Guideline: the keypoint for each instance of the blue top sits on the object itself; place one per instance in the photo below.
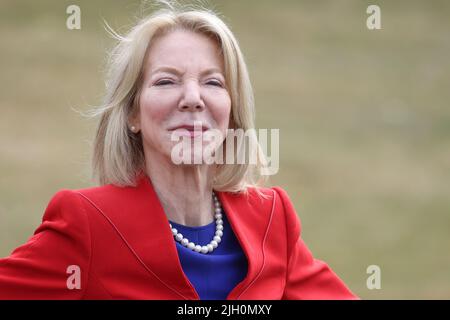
(214, 274)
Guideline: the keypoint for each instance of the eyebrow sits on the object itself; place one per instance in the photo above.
(178, 72)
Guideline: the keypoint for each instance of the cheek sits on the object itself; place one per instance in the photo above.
(221, 110)
(154, 109)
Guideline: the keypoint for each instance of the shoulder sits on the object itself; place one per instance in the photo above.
(278, 200)
(104, 193)
(282, 207)
(64, 196)
(73, 210)
(275, 196)
(73, 204)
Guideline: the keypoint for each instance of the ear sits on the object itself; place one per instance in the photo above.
(134, 119)
(134, 123)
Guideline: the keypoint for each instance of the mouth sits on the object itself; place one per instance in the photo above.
(190, 130)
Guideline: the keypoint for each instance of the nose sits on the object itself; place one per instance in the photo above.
(191, 99)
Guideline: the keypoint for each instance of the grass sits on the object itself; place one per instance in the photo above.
(363, 115)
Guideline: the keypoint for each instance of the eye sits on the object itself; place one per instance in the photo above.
(216, 83)
(163, 82)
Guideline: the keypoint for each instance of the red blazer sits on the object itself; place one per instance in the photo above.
(120, 239)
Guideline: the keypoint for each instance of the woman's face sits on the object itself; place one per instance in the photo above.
(183, 83)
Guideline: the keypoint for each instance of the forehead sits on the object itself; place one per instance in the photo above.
(182, 48)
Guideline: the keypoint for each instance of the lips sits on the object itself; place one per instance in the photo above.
(190, 127)
(189, 130)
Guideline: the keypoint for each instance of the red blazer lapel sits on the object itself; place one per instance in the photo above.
(140, 221)
(250, 221)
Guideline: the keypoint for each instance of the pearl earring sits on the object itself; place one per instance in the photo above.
(133, 128)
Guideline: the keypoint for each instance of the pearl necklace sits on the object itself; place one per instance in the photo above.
(217, 237)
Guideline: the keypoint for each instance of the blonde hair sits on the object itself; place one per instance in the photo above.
(118, 156)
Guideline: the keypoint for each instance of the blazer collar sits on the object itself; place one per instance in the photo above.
(145, 219)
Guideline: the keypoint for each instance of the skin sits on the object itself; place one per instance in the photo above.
(194, 91)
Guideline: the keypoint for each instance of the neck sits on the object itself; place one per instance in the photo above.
(185, 191)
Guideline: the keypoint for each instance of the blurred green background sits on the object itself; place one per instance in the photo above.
(364, 121)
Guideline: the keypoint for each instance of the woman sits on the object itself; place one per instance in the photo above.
(157, 229)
